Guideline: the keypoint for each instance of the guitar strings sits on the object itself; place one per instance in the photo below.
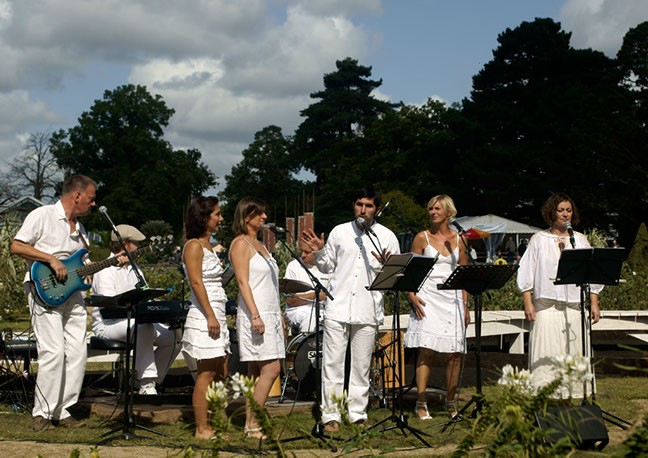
(51, 280)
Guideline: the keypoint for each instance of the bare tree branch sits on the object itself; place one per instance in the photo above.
(35, 171)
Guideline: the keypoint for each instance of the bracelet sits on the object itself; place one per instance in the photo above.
(255, 317)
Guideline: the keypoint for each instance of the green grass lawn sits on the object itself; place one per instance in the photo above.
(625, 397)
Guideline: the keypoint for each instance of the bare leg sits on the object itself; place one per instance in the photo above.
(423, 364)
(452, 375)
(208, 371)
(267, 372)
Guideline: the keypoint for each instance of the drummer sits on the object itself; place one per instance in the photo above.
(300, 307)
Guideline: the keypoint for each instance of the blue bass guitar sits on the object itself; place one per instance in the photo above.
(53, 292)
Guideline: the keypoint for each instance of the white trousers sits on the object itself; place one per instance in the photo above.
(157, 347)
(334, 346)
(302, 316)
(62, 352)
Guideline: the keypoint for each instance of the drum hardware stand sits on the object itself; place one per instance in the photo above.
(128, 301)
(582, 267)
(318, 428)
(476, 279)
(401, 272)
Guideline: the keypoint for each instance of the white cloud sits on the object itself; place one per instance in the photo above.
(601, 24)
(18, 116)
(228, 68)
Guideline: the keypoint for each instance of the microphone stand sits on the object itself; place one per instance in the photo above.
(367, 230)
(141, 282)
(130, 335)
(318, 428)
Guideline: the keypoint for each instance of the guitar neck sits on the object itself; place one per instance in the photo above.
(95, 267)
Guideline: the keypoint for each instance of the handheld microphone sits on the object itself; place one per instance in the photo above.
(382, 210)
(360, 221)
(457, 225)
(572, 241)
(275, 229)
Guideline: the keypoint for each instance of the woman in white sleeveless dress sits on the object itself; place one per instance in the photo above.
(205, 338)
(438, 318)
(259, 321)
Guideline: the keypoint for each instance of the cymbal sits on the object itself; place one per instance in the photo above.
(293, 286)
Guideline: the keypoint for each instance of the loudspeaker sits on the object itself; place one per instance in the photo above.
(583, 425)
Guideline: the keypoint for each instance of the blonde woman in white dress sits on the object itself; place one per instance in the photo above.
(554, 310)
(438, 318)
(259, 321)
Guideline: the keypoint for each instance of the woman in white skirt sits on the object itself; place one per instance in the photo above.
(206, 338)
(553, 310)
(438, 318)
(259, 321)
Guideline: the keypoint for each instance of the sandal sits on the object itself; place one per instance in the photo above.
(254, 433)
(451, 407)
(423, 406)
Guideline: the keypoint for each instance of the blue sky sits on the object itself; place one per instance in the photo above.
(231, 67)
(433, 48)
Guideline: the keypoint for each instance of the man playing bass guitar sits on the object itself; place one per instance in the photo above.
(48, 234)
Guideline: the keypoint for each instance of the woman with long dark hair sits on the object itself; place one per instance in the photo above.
(206, 338)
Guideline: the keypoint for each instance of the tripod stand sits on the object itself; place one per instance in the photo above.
(401, 272)
(582, 267)
(127, 301)
(476, 279)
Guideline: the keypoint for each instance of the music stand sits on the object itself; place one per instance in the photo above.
(582, 267)
(127, 301)
(475, 279)
(401, 272)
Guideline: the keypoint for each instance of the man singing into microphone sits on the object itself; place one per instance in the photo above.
(48, 234)
(352, 256)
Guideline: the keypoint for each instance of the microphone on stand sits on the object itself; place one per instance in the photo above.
(141, 281)
(457, 226)
(572, 241)
(276, 229)
(104, 211)
(360, 221)
(382, 209)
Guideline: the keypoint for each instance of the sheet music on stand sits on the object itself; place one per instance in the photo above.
(477, 278)
(392, 276)
(599, 266)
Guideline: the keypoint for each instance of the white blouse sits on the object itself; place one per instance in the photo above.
(539, 265)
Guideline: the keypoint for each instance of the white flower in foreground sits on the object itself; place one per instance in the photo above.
(518, 380)
(216, 392)
(572, 370)
(241, 385)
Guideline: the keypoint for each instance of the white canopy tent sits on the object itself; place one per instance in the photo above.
(498, 227)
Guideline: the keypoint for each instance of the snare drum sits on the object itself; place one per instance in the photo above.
(301, 354)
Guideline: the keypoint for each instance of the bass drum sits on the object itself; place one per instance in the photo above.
(301, 362)
(234, 363)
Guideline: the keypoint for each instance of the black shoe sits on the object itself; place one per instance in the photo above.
(41, 424)
(70, 422)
